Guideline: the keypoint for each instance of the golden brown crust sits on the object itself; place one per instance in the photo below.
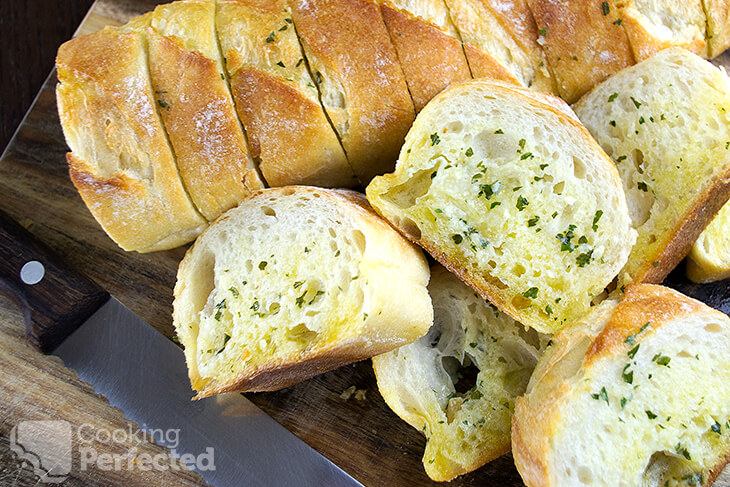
(276, 98)
(270, 109)
(657, 267)
(347, 43)
(199, 117)
(641, 304)
(583, 46)
(485, 66)
(431, 59)
(121, 162)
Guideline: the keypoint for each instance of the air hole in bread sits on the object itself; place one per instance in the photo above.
(651, 239)
(559, 187)
(405, 195)
(492, 264)
(521, 302)
(638, 159)
(332, 232)
(248, 265)
(454, 127)
(408, 227)
(579, 169)
(301, 333)
(360, 242)
(268, 211)
(286, 192)
(585, 475)
(713, 328)
(518, 270)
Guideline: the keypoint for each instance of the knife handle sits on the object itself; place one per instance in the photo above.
(55, 298)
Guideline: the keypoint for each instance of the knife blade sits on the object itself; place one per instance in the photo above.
(144, 374)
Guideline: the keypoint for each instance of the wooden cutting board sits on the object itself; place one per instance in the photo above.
(362, 436)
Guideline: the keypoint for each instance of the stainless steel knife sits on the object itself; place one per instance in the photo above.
(144, 374)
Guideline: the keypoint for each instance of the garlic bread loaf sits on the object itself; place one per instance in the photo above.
(196, 107)
(121, 162)
(718, 26)
(504, 187)
(655, 25)
(428, 46)
(276, 96)
(584, 42)
(635, 393)
(458, 383)
(293, 282)
(709, 258)
(666, 124)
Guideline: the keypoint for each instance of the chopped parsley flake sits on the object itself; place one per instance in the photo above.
(263, 264)
(234, 291)
(605, 8)
(632, 353)
(596, 218)
(612, 97)
(661, 359)
(533, 221)
(271, 37)
(636, 103)
(435, 139)
(522, 203)
(642, 186)
(650, 414)
(469, 152)
(531, 293)
(498, 131)
(457, 238)
(543, 32)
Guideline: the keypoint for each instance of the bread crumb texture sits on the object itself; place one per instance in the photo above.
(293, 282)
(506, 189)
(458, 383)
(634, 394)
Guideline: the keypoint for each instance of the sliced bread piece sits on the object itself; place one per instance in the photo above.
(120, 160)
(504, 187)
(276, 97)
(500, 41)
(633, 394)
(655, 25)
(458, 383)
(718, 25)
(428, 46)
(293, 282)
(666, 124)
(709, 258)
(196, 106)
(361, 83)
(584, 42)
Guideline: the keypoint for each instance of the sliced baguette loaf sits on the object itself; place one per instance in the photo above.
(584, 42)
(458, 383)
(504, 187)
(120, 161)
(666, 124)
(655, 25)
(196, 106)
(276, 96)
(633, 394)
(293, 282)
(428, 46)
(709, 258)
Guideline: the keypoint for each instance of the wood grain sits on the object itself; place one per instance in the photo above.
(362, 436)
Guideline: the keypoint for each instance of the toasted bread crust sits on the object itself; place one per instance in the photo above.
(212, 155)
(583, 46)
(121, 162)
(347, 43)
(483, 65)
(431, 58)
(269, 107)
